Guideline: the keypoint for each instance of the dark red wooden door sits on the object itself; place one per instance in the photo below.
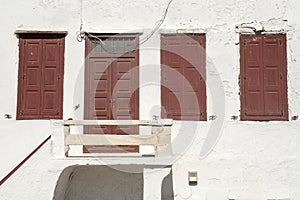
(111, 92)
(183, 77)
(263, 77)
(40, 78)
(125, 103)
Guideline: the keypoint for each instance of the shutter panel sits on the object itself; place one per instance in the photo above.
(263, 77)
(51, 78)
(31, 78)
(172, 79)
(253, 76)
(273, 74)
(193, 67)
(183, 77)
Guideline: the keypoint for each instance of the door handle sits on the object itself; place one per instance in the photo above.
(112, 102)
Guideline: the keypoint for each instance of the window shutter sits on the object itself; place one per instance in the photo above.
(183, 77)
(171, 84)
(31, 77)
(253, 76)
(40, 84)
(273, 75)
(263, 77)
(51, 78)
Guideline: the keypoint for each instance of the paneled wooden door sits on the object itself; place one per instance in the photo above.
(111, 91)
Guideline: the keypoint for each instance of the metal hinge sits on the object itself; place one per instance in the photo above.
(281, 77)
(280, 42)
(23, 77)
(245, 43)
(21, 112)
(281, 113)
(57, 112)
(59, 43)
(58, 76)
(239, 84)
(24, 41)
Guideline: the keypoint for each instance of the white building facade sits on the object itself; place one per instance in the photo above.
(238, 141)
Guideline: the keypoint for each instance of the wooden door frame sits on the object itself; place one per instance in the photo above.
(111, 56)
(88, 49)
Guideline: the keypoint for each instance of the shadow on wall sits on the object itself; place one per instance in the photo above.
(167, 192)
(90, 182)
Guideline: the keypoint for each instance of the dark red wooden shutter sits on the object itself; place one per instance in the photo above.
(253, 76)
(51, 78)
(31, 77)
(183, 77)
(273, 75)
(40, 86)
(263, 77)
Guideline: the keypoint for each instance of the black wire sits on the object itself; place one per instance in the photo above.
(81, 34)
(160, 22)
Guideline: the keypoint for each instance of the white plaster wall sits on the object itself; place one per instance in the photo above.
(252, 160)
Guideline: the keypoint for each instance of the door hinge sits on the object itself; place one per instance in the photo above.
(281, 77)
(21, 112)
(280, 42)
(23, 77)
(59, 43)
(245, 43)
(24, 41)
(57, 112)
(281, 113)
(239, 85)
(58, 76)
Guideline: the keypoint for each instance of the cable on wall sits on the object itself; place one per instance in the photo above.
(158, 24)
(80, 35)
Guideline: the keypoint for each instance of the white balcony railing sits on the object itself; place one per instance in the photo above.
(160, 134)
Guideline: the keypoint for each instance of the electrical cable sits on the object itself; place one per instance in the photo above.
(81, 34)
(158, 25)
